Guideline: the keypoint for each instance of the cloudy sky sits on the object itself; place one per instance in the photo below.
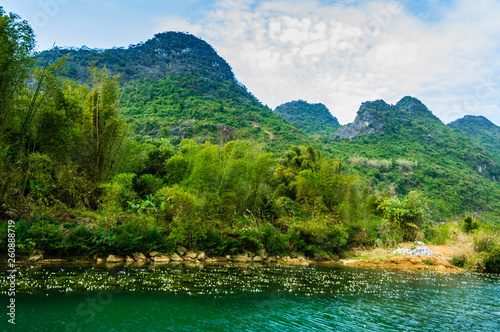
(339, 53)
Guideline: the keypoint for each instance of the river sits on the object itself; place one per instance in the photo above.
(234, 297)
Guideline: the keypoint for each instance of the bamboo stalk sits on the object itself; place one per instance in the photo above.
(31, 109)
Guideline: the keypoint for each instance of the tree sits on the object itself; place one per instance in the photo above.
(16, 45)
(406, 216)
(103, 129)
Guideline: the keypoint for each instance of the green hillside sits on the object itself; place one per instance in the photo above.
(480, 130)
(176, 86)
(314, 119)
(157, 146)
(404, 147)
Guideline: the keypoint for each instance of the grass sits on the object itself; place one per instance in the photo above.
(374, 256)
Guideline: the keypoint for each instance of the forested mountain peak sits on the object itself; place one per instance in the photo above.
(481, 130)
(314, 119)
(166, 54)
(378, 117)
(176, 86)
(472, 122)
(408, 140)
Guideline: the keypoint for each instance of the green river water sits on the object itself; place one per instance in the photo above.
(248, 298)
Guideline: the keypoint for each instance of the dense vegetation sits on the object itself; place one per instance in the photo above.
(181, 154)
(314, 119)
(403, 147)
(481, 131)
(176, 86)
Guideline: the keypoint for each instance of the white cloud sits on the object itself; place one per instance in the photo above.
(344, 54)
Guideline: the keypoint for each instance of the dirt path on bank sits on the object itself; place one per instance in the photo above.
(386, 259)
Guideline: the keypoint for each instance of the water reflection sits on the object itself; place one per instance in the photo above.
(180, 297)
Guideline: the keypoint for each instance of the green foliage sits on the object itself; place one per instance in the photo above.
(218, 244)
(38, 234)
(189, 162)
(176, 168)
(428, 261)
(149, 205)
(183, 94)
(80, 241)
(439, 233)
(103, 128)
(406, 148)
(313, 119)
(459, 261)
(492, 261)
(323, 233)
(486, 241)
(16, 43)
(469, 224)
(480, 130)
(181, 215)
(148, 184)
(119, 192)
(274, 241)
(405, 216)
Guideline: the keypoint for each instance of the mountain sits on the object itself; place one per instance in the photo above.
(377, 117)
(313, 119)
(480, 130)
(176, 86)
(404, 147)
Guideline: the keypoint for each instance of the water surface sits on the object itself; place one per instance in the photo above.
(250, 298)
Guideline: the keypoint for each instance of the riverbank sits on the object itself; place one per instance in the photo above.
(384, 258)
(374, 258)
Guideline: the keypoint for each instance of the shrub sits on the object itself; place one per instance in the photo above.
(154, 239)
(215, 243)
(130, 236)
(181, 214)
(148, 184)
(459, 261)
(363, 233)
(80, 241)
(438, 233)
(485, 242)
(492, 261)
(177, 202)
(470, 224)
(407, 165)
(405, 216)
(388, 236)
(273, 240)
(177, 169)
(119, 192)
(427, 261)
(39, 172)
(46, 236)
(320, 233)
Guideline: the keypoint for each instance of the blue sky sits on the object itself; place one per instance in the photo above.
(339, 53)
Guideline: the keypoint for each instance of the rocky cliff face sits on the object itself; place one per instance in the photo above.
(378, 117)
(367, 122)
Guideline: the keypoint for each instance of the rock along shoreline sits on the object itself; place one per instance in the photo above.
(423, 259)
